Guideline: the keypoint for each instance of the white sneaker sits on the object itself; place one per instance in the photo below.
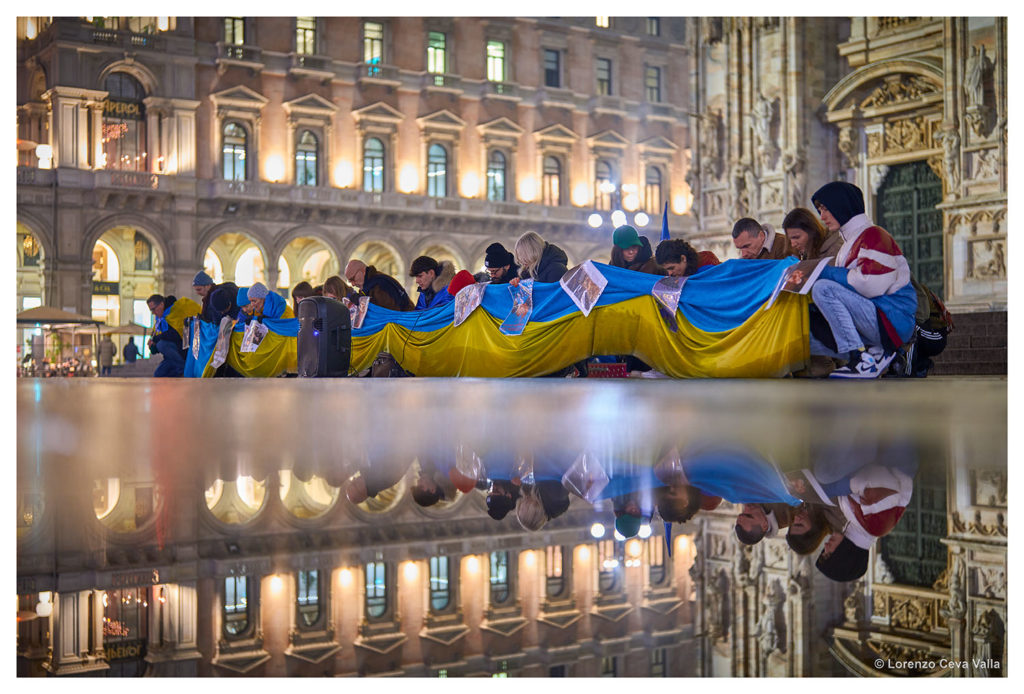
(865, 367)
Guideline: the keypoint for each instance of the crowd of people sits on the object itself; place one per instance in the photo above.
(866, 310)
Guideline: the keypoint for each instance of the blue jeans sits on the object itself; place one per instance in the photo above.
(852, 317)
(173, 363)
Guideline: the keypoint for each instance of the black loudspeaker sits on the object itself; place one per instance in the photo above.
(325, 338)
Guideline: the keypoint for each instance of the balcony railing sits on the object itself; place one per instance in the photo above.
(375, 72)
(442, 81)
(126, 39)
(313, 63)
(240, 54)
(507, 90)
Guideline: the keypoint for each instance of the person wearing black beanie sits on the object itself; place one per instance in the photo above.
(842, 562)
(500, 264)
(865, 297)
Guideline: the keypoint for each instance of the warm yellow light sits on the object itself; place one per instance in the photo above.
(30, 28)
(273, 168)
(45, 155)
(470, 185)
(530, 558)
(681, 203)
(276, 584)
(527, 189)
(345, 578)
(580, 195)
(344, 174)
(682, 544)
(631, 202)
(408, 181)
(163, 23)
(634, 548)
(583, 553)
(410, 571)
(472, 565)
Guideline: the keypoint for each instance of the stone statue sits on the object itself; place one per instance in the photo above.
(739, 193)
(974, 76)
(951, 159)
(793, 166)
(761, 119)
(767, 630)
(709, 142)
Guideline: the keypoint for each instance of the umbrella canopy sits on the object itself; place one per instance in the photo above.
(130, 329)
(47, 315)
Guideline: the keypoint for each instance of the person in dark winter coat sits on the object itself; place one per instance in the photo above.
(383, 290)
(757, 241)
(500, 264)
(680, 259)
(540, 261)
(633, 252)
(432, 278)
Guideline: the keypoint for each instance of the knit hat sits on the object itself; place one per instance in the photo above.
(498, 506)
(258, 291)
(847, 563)
(463, 278)
(201, 279)
(628, 525)
(843, 200)
(220, 300)
(498, 256)
(625, 236)
(422, 264)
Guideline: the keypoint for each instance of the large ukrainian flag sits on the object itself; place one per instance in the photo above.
(723, 331)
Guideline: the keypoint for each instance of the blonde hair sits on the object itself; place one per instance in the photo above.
(528, 251)
(530, 512)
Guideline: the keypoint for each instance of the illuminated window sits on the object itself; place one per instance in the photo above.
(436, 56)
(373, 46)
(437, 171)
(551, 182)
(610, 666)
(602, 22)
(373, 166)
(124, 124)
(497, 171)
(440, 589)
(499, 577)
(604, 186)
(609, 565)
(653, 196)
(653, 26)
(652, 83)
(305, 159)
(305, 35)
(495, 61)
(604, 76)
(656, 560)
(659, 665)
(29, 250)
(236, 605)
(552, 68)
(376, 589)
(235, 144)
(234, 31)
(307, 597)
(554, 578)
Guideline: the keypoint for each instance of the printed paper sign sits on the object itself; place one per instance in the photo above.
(584, 285)
(667, 292)
(522, 308)
(467, 300)
(253, 336)
(357, 312)
(798, 278)
(195, 340)
(220, 352)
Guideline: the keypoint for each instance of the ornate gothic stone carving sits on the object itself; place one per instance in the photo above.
(793, 167)
(771, 625)
(853, 605)
(988, 633)
(989, 582)
(976, 526)
(848, 147)
(985, 165)
(950, 140)
(906, 135)
(986, 260)
(911, 613)
(954, 576)
(977, 73)
(761, 118)
(717, 608)
(877, 175)
(739, 195)
(753, 188)
(900, 89)
(882, 574)
(990, 485)
(710, 144)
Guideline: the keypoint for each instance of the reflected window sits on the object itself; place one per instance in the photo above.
(604, 187)
(499, 577)
(497, 171)
(306, 151)
(604, 76)
(656, 560)
(436, 56)
(551, 183)
(373, 46)
(235, 146)
(610, 666)
(659, 666)
(437, 171)
(609, 565)
(554, 578)
(236, 605)
(125, 630)
(373, 166)
(552, 68)
(440, 588)
(652, 190)
(376, 589)
(307, 597)
(652, 83)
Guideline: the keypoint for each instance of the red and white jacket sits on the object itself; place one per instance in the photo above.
(875, 265)
(880, 495)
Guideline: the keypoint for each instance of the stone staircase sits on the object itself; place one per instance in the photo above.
(142, 368)
(977, 346)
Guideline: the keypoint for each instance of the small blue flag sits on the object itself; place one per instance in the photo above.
(668, 538)
(664, 223)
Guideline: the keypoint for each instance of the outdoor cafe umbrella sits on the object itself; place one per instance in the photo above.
(54, 318)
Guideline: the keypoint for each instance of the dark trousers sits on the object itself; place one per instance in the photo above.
(173, 364)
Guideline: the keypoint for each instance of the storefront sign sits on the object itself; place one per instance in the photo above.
(128, 649)
(135, 578)
(122, 109)
(105, 288)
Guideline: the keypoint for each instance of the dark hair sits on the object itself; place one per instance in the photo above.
(155, 299)
(336, 286)
(805, 220)
(751, 226)
(674, 510)
(805, 543)
(749, 537)
(422, 264)
(424, 497)
(553, 497)
(302, 290)
(674, 250)
(847, 563)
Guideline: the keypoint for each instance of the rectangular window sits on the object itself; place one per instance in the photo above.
(552, 68)
(656, 559)
(495, 61)
(499, 577)
(554, 579)
(307, 597)
(236, 605)
(376, 589)
(373, 46)
(440, 593)
(234, 31)
(610, 666)
(658, 667)
(305, 35)
(653, 26)
(652, 83)
(557, 671)
(602, 22)
(436, 55)
(604, 76)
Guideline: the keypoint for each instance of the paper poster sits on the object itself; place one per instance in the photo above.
(522, 308)
(195, 341)
(798, 278)
(467, 300)
(667, 291)
(220, 352)
(586, 477)
(253, 336)
(357, 312)
(584, 284)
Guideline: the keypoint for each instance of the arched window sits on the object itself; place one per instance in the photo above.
(306, 151)
(373, 166)
(437, 171)
(497, 172)
(235, 148)
(551, 185)
(604, 186)
(236, 605)
(440, 590)
(499, 577)
(376, 589)
(124, 124)
(653, 199)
